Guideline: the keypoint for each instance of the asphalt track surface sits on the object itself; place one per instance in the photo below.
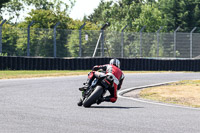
(49, 105)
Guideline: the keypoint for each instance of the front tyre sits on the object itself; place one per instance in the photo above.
(96, 94)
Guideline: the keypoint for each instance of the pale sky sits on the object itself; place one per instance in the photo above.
(83, 7)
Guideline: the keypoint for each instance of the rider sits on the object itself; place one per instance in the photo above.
(114, 69)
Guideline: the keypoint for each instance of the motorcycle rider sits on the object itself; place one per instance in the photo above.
(113, 69)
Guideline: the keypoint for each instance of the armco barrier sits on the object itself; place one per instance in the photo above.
(136, 64)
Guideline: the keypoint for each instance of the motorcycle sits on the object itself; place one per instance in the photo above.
(97, 89)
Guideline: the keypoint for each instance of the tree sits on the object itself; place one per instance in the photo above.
(90, 34)
(196, 15)
(118, 13)
(188, 14)
(183, 13)
(98, 16)
(3, 2)
(2, 5)
(9, 38)
(42, 32)
(14, 7)
(150, 17)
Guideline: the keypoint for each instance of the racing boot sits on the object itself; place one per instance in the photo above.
(88, 82)
(103, 99)
(99, 101)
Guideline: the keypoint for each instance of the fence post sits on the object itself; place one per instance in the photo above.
(191, 41)
(54, 32)
(28, 38)
(80, 46)
(122, 41)
(102, 38)
(158, 33)
(95, 50)
(175, 41)
(1, 35)
(141, 40)
(102, 43)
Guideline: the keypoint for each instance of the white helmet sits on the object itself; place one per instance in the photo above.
(115, 62)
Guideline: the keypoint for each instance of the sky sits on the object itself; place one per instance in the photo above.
(83, 7)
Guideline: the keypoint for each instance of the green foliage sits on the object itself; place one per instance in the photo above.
(149, 17)
(42, 33)
(101, 9)
(112, 44)
(15, 7)
(46, 19)
(3, 2)
(3, 54)
(133, 13)
(88, 44)
(153, 14)
(42, 39)
(180, 13)
(9, 39)
(118, 13)
(149, 13)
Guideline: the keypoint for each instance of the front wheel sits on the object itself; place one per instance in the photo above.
(93, 97)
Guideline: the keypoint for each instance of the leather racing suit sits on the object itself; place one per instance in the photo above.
(118, 77)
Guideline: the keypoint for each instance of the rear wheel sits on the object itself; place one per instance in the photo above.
(93, 97)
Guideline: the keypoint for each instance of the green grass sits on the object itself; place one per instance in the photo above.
(9, 74)
(32, 74)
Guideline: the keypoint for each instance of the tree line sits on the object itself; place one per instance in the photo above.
(133, 13)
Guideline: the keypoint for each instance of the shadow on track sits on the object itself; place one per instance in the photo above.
(115, 107)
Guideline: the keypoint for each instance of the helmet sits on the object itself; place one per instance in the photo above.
(115, 62)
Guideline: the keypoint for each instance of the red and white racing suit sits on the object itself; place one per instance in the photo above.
(117, 75)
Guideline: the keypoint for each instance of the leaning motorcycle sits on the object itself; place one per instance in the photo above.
(97, 90)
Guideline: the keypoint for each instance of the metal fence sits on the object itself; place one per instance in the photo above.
(85, 43)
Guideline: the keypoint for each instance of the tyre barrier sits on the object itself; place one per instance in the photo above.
(134, 64)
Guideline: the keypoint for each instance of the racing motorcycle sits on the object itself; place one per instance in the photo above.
(97, 89)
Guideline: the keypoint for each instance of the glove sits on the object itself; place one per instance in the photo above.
(95, 68)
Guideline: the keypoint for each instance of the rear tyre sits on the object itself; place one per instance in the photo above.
(93, 97)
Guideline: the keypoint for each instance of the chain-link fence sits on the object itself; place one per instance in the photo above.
(85, 43)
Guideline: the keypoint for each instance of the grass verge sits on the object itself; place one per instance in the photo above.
(34, 74)
(185, 92)
(54, 73)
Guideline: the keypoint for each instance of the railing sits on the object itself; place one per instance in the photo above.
(133, 64)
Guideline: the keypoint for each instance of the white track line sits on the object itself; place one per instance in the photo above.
(120, 95)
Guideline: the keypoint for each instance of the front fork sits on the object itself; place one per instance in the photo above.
(86, 93)
(83, 95)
